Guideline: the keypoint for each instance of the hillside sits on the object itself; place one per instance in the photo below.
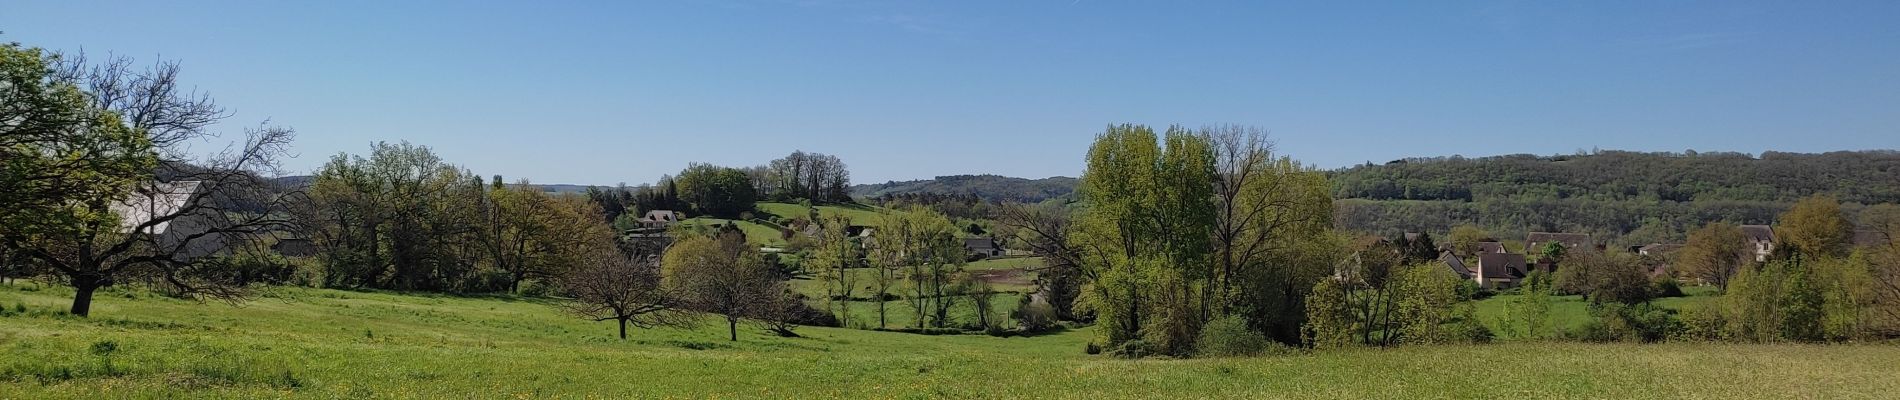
(988, 187)
(312, 343)
(1622, 198)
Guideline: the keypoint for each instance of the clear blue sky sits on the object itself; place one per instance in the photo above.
(605, 92)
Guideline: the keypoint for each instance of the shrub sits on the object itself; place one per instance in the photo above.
(1702, 323)
(1638, 323)
(1034, 316)
(1132, 349)
(1666, 286)
(1091, 348)
(1229, 337)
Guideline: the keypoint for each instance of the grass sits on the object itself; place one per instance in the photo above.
(311, 343)
(754, 232)
(860, 214)
(1572, 312)
(1011, 277)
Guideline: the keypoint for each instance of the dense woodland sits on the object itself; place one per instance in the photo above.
(990, 187)
(1618, 196)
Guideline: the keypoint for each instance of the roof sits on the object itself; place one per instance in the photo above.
(1568, 239)
(1658, 249)
(1759, 233)
(1497, 265)
(1456, 264)
(149, 202)
(664, 215)
(979, 243)
(1490, 247)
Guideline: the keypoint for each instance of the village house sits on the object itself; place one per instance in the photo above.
(1456, 264)
(1536, 241)
(982, 247)
(1490, 247)
(1499, 270)
(1761, 239)
(155, 210)
(660, 219)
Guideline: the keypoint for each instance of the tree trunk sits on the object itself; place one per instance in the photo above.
(732, 328)
(83, 288)
(623, 329)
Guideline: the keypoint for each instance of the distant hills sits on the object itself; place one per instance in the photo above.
(989, 187)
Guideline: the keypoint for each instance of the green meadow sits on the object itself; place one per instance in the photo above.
(316, 343)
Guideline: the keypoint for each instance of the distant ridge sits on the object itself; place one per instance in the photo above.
(988, 187)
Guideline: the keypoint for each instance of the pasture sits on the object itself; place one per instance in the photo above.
(316, 343)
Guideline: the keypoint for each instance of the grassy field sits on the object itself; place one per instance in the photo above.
(1010, 276)
(860, 214)
(1572, 312)
(310, 343)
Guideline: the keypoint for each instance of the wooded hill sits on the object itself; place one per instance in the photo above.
(1624, 197)
(988, 187)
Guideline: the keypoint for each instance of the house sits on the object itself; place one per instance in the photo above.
(1456, 264)
(1499, 270)
(982, 247)
(160, 209)
(661, 218)
(1490, 247)
(1537, 240)
(1761, 238)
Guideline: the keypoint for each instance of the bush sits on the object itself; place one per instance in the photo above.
(1666, 286)
(1034, 316)
(1229, 337)
(1638, 323)
(1091, 348)
(1702, 323)
(1132, 349)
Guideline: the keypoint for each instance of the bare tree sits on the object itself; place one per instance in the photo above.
(158, 224)
(166, 227)
(1045, 230)
(612, 286)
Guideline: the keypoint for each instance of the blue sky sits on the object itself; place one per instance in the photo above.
(606, 92)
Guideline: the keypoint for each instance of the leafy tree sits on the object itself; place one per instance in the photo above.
(1149, 211)
(1266, 210)
(717, 191)
(1465, 238)
(722, 276)
(1553, 252)
(1816, 226)
(837, 256)
(1715, 253)
(100, 189)
(1531, 308)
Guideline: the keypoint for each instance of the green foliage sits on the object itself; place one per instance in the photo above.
(1644, 322)
(717, 191)
(986, 187)
(1230, 336)
(1715, 253)
(1816, 226)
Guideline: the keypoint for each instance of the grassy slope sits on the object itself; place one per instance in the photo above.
(1571, 312)
(859, 214)
(898, 313)
(325, 343)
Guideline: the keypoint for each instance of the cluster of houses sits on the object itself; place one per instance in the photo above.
(1495, 267)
